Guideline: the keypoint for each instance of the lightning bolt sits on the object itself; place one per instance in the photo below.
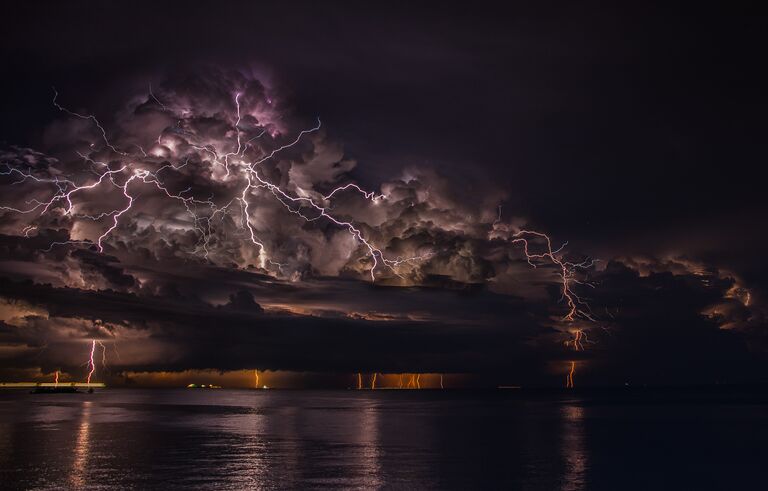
(256, 373)
(103, 354)
(413, 381)
(569, 378)
(56, 379)
(567, 271)
(91, 364)
(579, 337)
(537, 248)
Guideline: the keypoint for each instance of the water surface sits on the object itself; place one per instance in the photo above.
(272, 439)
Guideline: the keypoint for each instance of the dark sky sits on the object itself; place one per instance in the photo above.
(635, 134)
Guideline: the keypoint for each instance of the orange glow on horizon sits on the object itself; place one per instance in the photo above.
(251, 378)
(395, 381)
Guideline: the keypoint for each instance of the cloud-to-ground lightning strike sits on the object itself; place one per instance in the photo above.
(577, 342)
(378, 380)
(56, 379)
(579, 337)
(569, 378)
(567, 272)
(413, 381)
(256, 374)
(103, 354)
(91, 364)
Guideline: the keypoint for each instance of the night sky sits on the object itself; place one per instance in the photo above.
(634, 135)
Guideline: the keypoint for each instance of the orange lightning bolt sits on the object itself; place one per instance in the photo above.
(577, 342)
(578, 336)
(569, 378)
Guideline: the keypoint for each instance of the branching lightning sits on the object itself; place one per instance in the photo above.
(579, 337)
(567, 271)
(128, 174)
(133, 171)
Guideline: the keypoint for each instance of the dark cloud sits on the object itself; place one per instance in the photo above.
(653, 330)
(240, 335)
(660, 328)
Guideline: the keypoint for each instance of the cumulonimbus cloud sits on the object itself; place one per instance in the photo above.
(214, 173)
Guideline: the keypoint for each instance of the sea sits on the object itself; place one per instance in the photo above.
(622, 439)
